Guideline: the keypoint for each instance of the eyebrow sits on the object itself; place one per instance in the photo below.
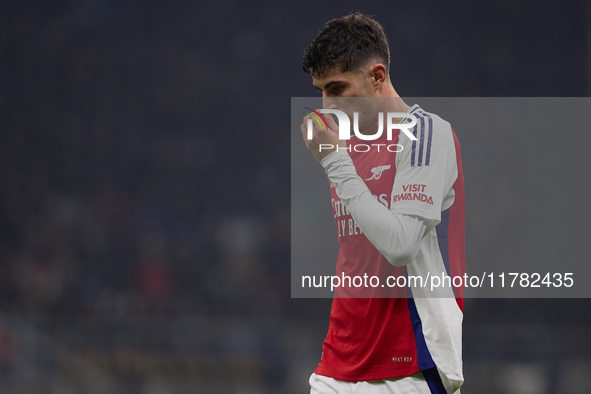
(331, 83)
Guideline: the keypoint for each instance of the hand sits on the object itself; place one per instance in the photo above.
(323, 142)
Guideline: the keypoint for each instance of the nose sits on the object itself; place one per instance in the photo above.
(328, 102)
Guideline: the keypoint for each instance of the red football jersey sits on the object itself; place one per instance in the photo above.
(380, 331)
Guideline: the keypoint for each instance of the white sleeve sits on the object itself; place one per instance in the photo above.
(397, 236)
(425, 171)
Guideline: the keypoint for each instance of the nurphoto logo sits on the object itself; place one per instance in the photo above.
(344, 124)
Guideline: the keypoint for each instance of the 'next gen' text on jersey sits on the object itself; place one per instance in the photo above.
(384, 333)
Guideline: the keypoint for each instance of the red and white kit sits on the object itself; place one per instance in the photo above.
(398, 214)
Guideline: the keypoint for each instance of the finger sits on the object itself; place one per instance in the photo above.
(317, 124)
(331, 123)
(304, 128)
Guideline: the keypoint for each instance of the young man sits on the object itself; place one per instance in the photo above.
(407, 205)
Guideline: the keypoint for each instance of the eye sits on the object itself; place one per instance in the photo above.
(336, 90)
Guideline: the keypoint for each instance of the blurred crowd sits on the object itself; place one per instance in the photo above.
(124, 184)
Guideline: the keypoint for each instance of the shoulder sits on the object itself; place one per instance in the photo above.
(433, 136)
(428, 121)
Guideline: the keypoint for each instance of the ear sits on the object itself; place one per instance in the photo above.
(379, 74)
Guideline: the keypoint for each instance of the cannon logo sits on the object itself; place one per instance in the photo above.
(377, 172)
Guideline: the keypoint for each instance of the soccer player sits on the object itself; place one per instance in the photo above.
(405, 213)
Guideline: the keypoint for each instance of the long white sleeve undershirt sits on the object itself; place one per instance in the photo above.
(397, 236)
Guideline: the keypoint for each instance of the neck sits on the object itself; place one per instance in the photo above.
(390, 101)
(395, 103)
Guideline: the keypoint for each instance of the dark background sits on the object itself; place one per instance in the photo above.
(144, 189)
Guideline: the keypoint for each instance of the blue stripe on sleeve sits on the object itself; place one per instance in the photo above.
(428, 158)
(422, 140)
(414, 148)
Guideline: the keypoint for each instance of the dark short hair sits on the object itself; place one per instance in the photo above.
(347, 42)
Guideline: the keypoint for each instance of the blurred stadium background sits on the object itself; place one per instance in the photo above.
(144, 189)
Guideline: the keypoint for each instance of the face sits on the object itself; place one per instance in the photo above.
(350, 91)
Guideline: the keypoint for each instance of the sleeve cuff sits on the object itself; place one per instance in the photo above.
(334, 158)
